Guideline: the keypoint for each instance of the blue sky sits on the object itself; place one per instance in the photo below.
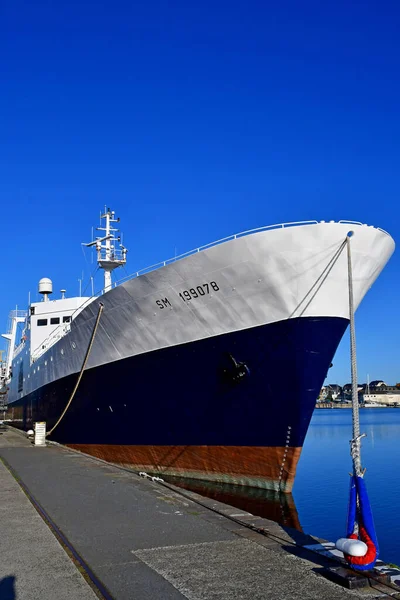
(194, 121)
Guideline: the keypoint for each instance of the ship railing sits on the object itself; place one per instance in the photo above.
(210, 245)
(55, 335)
(116, 255)
(228, 239)
(359, 223)
(13, 314)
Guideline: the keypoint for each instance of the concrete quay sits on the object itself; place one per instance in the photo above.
(77, 528)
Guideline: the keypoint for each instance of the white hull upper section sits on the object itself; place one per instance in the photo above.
(256, 279)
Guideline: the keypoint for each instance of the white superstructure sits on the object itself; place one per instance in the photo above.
(50, 320)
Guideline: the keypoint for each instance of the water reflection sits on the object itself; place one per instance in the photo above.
(262, 503)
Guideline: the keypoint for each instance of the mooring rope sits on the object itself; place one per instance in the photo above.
(360, 546)
(356, 441)
(89, 348)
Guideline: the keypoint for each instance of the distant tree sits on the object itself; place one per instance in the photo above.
(398, 385)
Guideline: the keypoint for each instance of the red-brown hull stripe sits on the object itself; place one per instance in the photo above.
(267, 467)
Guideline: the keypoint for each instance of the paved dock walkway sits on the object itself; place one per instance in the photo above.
(32, 562)
(141, 539)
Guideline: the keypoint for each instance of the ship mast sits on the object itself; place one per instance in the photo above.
(109, 256)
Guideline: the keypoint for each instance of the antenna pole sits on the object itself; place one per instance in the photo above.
(107, 272)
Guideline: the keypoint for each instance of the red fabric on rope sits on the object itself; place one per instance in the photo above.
(371, 552)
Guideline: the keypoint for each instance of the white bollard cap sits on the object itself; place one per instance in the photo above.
(352, 547)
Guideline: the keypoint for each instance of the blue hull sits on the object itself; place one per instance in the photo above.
(252, 388)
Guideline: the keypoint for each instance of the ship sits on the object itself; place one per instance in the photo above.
(206, 366)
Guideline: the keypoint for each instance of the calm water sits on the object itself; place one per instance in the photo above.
(321, 487)
(320, 495)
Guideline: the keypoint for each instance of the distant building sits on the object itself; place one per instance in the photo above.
(330, 392)
(377, 383)
(336, 390)
(348, 391)
(378, 392)
(373, 392)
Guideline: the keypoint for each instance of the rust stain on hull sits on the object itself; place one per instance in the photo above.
(255, 466)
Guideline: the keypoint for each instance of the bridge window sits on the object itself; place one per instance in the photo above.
(42, 322)
(66, 319)
(54, 320)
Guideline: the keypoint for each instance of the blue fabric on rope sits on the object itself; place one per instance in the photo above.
(364, 517)
(352, 510)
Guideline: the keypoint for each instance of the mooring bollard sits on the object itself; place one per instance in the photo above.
(40, 433)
